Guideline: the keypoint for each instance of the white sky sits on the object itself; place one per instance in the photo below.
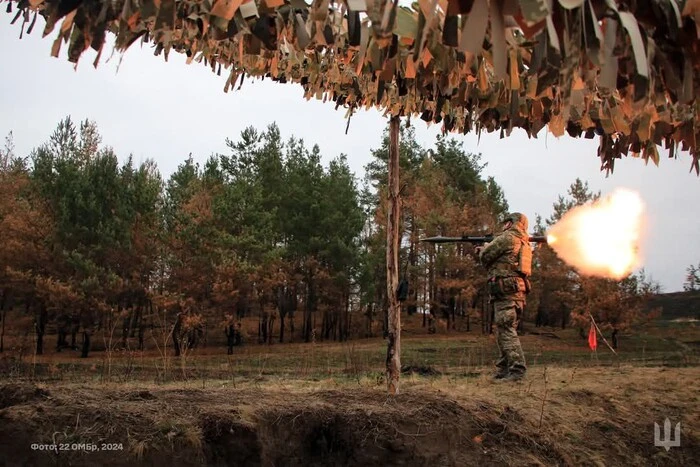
(164, 111)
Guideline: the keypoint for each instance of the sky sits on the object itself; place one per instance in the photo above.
(166, 110)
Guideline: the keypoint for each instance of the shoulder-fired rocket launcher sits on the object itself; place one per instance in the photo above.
(477, 240)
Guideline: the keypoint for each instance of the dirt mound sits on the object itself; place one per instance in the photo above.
(245, 428)
(141, 395)
(15, 394)
(344, 429)
(472, 423)
(421, 370)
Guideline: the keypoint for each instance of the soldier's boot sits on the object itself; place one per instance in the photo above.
(516, 373)
(501, 372)
(514, 377)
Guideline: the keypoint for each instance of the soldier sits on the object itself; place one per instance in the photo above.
(508, 259)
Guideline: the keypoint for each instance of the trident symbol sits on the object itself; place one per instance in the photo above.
(667, 442)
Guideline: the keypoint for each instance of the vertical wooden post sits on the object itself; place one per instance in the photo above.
(393, 351)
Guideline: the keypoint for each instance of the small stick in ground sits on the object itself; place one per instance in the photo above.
(544, 398)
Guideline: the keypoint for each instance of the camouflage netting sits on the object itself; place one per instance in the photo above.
(625, 71)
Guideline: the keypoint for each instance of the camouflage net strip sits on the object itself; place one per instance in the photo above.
(624, 71)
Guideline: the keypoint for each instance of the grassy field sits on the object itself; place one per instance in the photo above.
(664, 344)
(326, 404)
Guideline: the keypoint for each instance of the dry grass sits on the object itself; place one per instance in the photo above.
(591, 416)
(455, 355)
(326, 403)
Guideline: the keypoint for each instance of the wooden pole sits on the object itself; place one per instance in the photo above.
(393, 351)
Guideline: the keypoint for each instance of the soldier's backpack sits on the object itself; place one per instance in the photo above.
(524, 266)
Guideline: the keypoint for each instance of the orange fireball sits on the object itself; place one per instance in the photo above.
(601, 238)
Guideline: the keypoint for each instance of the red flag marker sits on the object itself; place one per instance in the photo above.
(592, 338)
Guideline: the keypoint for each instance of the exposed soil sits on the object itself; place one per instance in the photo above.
(589, 417)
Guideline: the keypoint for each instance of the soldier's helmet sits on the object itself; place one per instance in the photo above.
(518, 219)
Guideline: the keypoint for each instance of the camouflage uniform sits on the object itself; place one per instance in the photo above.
(508, 289)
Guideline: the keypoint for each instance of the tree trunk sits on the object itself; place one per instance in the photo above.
(337, 331)
(368, 314)
(348, 316)
(283, 314)
(137, 319)
(270, 328)
(303, 322)
(484, 312)
(309, 307)
(230, 336)
(291, 327)
(61, 340)
(3, 318)
(431, 284)
(324, 325)
(142, 331)
(393, 354)
(291, 312)
(142, 324)
(411, 273)
(263, 327)
(40, 325)
(425, 298)
(339, 322)
(2, 330)
(86, 344)
(176, 335)
(335, 315)
(385, 321)
(260, 327)
(563, 318)
(126, 324)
